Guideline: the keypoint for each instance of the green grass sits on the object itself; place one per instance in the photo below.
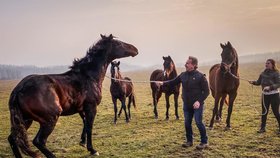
(146, 137)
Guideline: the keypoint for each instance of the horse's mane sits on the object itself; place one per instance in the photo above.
(95, 51)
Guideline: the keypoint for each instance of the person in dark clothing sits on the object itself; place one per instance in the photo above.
(269, 79)
(195, 90)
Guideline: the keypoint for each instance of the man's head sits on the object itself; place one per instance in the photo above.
(191, 63)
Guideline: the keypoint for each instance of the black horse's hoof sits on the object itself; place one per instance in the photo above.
(83, 144)
(210, 128)
(167, 118)
(177, 118)
(227, 128)
(127, 121)
(94, 152)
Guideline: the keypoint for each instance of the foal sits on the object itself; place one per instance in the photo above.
(121, 88)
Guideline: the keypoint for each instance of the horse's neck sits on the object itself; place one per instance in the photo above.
(119, 76)
(234, 69)
(172, 75)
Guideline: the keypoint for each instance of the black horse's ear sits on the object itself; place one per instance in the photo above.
(110, 37)
(112, 63)
(222, 46)
(163, 57)
(118, 63)
(169, 57)
(102, 36)
(229, 44)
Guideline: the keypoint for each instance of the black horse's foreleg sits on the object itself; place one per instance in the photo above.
(124, 108)
(176, 105)
(215, 111)
(83, 135)
(230, 106)
(219, 114)
(167, 106)
(90, 113)
(120, 112)
(115, 109)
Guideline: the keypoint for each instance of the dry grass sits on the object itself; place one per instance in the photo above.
(146, 137)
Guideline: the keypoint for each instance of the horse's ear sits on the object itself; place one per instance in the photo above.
(102, 36)
(110, 37)
(163, 57)
(229, 44)
(118, 63)
(222, 46)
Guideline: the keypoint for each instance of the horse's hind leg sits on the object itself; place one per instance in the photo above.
(41, 138)
(83, 135)
(129, 106)
(14, 146)
(167, 106)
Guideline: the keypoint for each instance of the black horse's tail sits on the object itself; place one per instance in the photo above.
(18, 136)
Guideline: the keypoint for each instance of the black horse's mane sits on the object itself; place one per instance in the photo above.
(95, 51)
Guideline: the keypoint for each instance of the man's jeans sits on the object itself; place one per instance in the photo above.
(197, 114)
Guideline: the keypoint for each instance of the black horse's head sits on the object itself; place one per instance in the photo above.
(106, 50)
(229, 57)
(168, 66)
(115, 69)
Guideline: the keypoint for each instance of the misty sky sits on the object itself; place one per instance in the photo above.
(54, 32)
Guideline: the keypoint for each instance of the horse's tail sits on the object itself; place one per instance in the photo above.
(133, 101)
(18, 136)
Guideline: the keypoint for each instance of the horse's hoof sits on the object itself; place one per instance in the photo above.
(82, 144)
(177, 118)
(167, 118)
(156, 117)
(227, 128)
(218, 120)
(94, 153)
(127, 121)
(210, 128)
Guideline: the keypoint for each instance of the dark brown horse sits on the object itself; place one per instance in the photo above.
(169, 73)
(43, 98)
(223, 79)
(121, 88)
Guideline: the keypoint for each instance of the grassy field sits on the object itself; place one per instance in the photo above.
(146, 137)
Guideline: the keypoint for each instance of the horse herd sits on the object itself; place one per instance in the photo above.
(43, 98)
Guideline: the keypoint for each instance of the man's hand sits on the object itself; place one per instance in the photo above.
(266, 89)
(196, 105)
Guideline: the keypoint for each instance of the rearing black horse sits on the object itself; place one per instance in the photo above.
(168, 73)
(43, 98)
(120, 89)
(223, 79)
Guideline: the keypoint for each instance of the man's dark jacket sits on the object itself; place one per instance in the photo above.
(195, 87)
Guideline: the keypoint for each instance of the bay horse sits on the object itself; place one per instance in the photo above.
(120, 89)
(43, 98)
(223, 79)
(168, 73)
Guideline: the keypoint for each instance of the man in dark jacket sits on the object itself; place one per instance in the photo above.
(195, 90)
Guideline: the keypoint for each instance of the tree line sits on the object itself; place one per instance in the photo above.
(12, 72)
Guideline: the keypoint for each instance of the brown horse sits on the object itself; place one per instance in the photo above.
(168, 73)
(43, 98)
(223, 79)
(121, 88)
